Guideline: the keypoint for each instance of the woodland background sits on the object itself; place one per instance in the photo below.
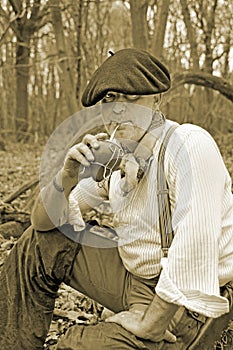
(49, 50)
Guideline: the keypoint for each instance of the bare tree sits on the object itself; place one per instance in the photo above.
(138, 10)
(190, 34)
(79, 50)
(160, 28)
(28, 18)
(55, 61)
(65, 71)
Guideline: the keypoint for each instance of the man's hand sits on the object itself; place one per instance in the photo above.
(79, 154)
(148, 322)
(135, 323)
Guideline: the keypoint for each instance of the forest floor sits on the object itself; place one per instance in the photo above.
(20, 163)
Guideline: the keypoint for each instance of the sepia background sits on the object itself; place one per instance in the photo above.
(49, 50)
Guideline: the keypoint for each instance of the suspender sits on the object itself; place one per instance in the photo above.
(164, 208)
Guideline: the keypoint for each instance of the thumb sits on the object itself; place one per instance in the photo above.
(117, 318)
(169, 337)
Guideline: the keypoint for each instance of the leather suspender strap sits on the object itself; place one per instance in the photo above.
(164, 208)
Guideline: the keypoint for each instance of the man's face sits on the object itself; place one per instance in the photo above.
(128, 115)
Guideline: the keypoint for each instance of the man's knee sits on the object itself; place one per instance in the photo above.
(103, 336)
(46, 258)
(29, 281)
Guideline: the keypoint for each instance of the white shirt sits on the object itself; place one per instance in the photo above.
(200, 259)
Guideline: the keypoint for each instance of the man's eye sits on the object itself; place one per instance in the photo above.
(109, 97)
(132, 97)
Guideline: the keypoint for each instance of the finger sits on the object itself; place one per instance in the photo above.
(85, 151)
(102, 136)
(80, 154)
(79, 158)
(168, 336)
(90, 140)
(117, 318)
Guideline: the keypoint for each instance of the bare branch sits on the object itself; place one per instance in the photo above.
(35, 11)
(16, 5)
(11, 25)
(204, 79)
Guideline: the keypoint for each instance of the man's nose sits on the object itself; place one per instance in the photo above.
(119, 107)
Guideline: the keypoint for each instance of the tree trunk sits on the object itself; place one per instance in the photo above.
(160, 28)
(79, 54)
(226, 65)
(22, 77)
(65, 72)
(190, 34)
(27, 21)
(138, 10)
(23, 34)
(208, 63)
(210, 16)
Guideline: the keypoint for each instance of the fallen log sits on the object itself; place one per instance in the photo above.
(26, 186)
(14, 221)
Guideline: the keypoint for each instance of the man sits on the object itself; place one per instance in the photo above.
(159, 302)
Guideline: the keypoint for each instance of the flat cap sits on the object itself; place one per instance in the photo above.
(128, 71)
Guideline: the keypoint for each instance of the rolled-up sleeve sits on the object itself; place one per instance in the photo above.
(189, 275)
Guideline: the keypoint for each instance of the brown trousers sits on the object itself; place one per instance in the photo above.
(31, 276)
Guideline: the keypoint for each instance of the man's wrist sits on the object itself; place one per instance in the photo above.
(67, 182)
(157, 316)
(57, 184)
